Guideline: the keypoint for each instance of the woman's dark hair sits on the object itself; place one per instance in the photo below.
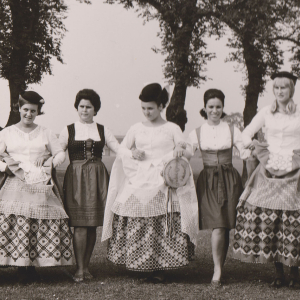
(154, 92)
(31, 97)
(210, 94)
(88, 94)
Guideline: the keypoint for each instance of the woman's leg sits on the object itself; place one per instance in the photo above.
(279, 275)
(219, 243)
(90, 244)
(79, 243)
(294, 277)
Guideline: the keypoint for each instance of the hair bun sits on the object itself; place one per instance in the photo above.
(203, 113)
(163, 97)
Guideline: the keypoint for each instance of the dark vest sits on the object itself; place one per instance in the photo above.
(77, 149)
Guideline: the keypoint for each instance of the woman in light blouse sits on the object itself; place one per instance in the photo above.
(34, 229)
(268, 220)
(219, 185)
(86, 179)
(145, 233)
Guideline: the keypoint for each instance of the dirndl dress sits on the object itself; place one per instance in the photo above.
(219, 187)
(86, 181)
(268, 218)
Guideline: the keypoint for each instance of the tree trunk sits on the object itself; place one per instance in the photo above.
(14, 115)
(254, 87)
(175, 111)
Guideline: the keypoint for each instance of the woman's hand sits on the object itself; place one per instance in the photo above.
(138, 154)
(40, 161)
(178, 151)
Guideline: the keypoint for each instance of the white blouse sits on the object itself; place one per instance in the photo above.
(85, 131)
(282, 133)
(217, 137)
(28, 147)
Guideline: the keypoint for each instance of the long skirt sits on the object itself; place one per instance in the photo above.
(85, 188)
(141, 244)
(214, 213)
(268, 219)
(34, 242)
(266, 235)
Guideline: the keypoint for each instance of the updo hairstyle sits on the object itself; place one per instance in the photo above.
(154, 92)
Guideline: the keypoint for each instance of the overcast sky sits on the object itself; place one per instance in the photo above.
(108, 49)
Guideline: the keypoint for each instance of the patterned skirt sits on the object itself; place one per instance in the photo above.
(266, 235)
(141, 244)
(85, 192)
(34, 242)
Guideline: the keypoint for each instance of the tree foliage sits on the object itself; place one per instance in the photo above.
(183, 25)
(31, 32)
(258, 29)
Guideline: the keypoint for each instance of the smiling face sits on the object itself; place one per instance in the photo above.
(282, 90)
(151, 110)
(214, 110)
(28, 113)
(86, 111)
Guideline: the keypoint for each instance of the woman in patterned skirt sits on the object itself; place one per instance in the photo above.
(219, 185)
(86, 179)
(137, 212)
(34, 227)
(268, 220)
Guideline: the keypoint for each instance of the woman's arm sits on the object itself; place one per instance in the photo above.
(110, 140)
(238, 143)
(257, 122)
(55, 149)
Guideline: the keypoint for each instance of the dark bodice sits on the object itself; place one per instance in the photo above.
(82, 150)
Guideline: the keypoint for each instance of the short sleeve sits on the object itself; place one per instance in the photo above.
(111, 141)
(63, 138)
(2, 141)
(55, 148)
(238, 143)
(192, 142)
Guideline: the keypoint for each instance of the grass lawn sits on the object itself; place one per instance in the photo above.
(243, 281)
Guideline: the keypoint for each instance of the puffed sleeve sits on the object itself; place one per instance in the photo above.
(128, 142)
(55, 149)
(2, 142)
(192, 142)
(63, 138)
(3, 165)
(110, 140)
(178, 135)
(238, 143)
(257, 122)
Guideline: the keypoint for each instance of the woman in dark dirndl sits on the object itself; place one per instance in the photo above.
(86, 178)
(34, 229)
(137, 213)
(219, 184)
(268, 219)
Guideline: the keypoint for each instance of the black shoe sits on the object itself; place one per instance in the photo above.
(293, 283)
(278, 282)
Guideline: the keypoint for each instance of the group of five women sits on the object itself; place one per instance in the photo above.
(149, 227)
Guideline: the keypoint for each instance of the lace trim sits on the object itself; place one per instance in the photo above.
(31, 135)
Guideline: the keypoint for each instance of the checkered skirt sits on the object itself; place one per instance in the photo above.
(34, 242)
(141, 244)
